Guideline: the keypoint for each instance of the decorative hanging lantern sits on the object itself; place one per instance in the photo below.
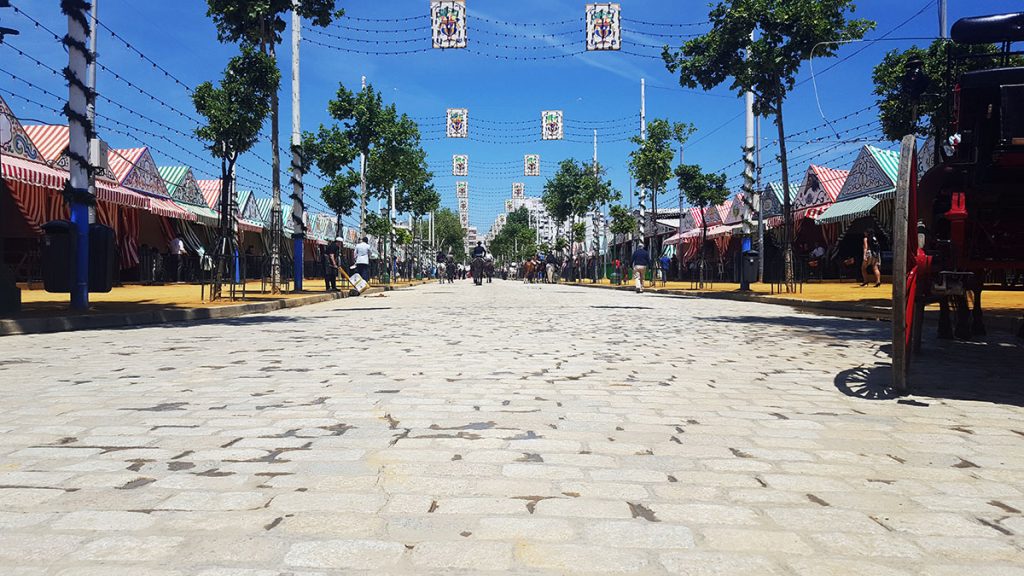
(531, 164)
(603, 27)
(460, 165)
(458, 123)
(448, 23)
(551, 125)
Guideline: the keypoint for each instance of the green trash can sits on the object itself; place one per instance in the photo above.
(616, 278)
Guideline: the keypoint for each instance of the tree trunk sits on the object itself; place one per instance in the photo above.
(787, 212)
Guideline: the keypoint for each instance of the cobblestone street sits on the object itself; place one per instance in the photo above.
(509, 428)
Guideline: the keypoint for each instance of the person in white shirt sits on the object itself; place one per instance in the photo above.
(175, 250)
(363, 258)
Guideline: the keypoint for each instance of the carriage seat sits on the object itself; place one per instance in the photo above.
(996, 28)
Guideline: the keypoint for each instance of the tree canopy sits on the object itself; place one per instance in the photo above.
(449, 233)
(256, 21)
(516, 240)
(236, 110)
(895, 106)
(651, 163)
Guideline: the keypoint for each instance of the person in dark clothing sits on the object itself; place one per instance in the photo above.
(479, 251)
(641, 261)
(332, 261)
(872, 257)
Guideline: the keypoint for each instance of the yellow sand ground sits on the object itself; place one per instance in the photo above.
(139, 298)
(994, 298)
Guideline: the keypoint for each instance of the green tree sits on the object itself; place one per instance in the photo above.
(516, 240)
(333, 154)
(560, 191)
(651, 163)
(703, 191)
(260, 23)
(623, 220)
(449, 233)
(942, 63)
(235, 113)
(377, 226)
(761, 45)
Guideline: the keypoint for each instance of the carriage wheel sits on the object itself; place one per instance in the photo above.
(906, 273)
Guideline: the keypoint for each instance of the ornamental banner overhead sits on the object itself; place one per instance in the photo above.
(518, 190)
(448, 23)
(531, 164)
(551, 125)
(458, 119)
(460, 165)
(462, 189)
(603, 27)
(508, 205)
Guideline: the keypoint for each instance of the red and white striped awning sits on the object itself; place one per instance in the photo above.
(37, 174)
(812, 212)
(166, 207)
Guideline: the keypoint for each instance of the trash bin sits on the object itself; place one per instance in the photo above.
(102, 258)
(57, 256)
(616, 278)
(748, 268)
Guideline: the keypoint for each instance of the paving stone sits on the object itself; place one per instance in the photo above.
(570, 559)
(463, 555)
(357, 554)
(553, 447)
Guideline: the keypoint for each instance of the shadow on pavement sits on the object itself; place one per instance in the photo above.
(947, 370)
(839, 328)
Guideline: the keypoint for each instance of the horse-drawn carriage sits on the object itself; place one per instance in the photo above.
(963, 220)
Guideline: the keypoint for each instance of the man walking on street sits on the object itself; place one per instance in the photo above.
(175, 250)
(363, 259)
(641, 260)
(332, 260)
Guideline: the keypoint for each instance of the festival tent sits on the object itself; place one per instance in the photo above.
(135, 169)
(818, 191)
(36, 169)
(866, 198)
(183, 188)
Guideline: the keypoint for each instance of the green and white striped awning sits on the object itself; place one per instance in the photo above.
(848, 210)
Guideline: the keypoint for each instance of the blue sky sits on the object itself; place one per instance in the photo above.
(504, 95)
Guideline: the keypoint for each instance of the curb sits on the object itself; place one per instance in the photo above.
(12, 327)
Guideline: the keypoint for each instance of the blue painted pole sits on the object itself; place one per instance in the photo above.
(80, 288)
(297, 265)
(80, 131)
(238, 269)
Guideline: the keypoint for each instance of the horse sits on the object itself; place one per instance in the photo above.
(529, 267)
(489, 270)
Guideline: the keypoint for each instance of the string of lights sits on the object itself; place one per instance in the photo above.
(111, 72)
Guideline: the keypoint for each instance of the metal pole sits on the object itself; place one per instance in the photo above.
(298, 205)
(362, 186)
(943, 29)
(642, 193)
(80, 132)
(90, 110)
(760, 205)
(391, 235)
(597, 211)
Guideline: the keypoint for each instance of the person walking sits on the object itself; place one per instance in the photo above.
(332, 261)
(363, 259)
(175, 252)
(641, 260)
(872, 256)
(552, 266)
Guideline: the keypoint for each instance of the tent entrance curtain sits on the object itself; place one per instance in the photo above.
(37, 204)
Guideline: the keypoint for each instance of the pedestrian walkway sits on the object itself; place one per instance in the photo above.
(513, 429)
